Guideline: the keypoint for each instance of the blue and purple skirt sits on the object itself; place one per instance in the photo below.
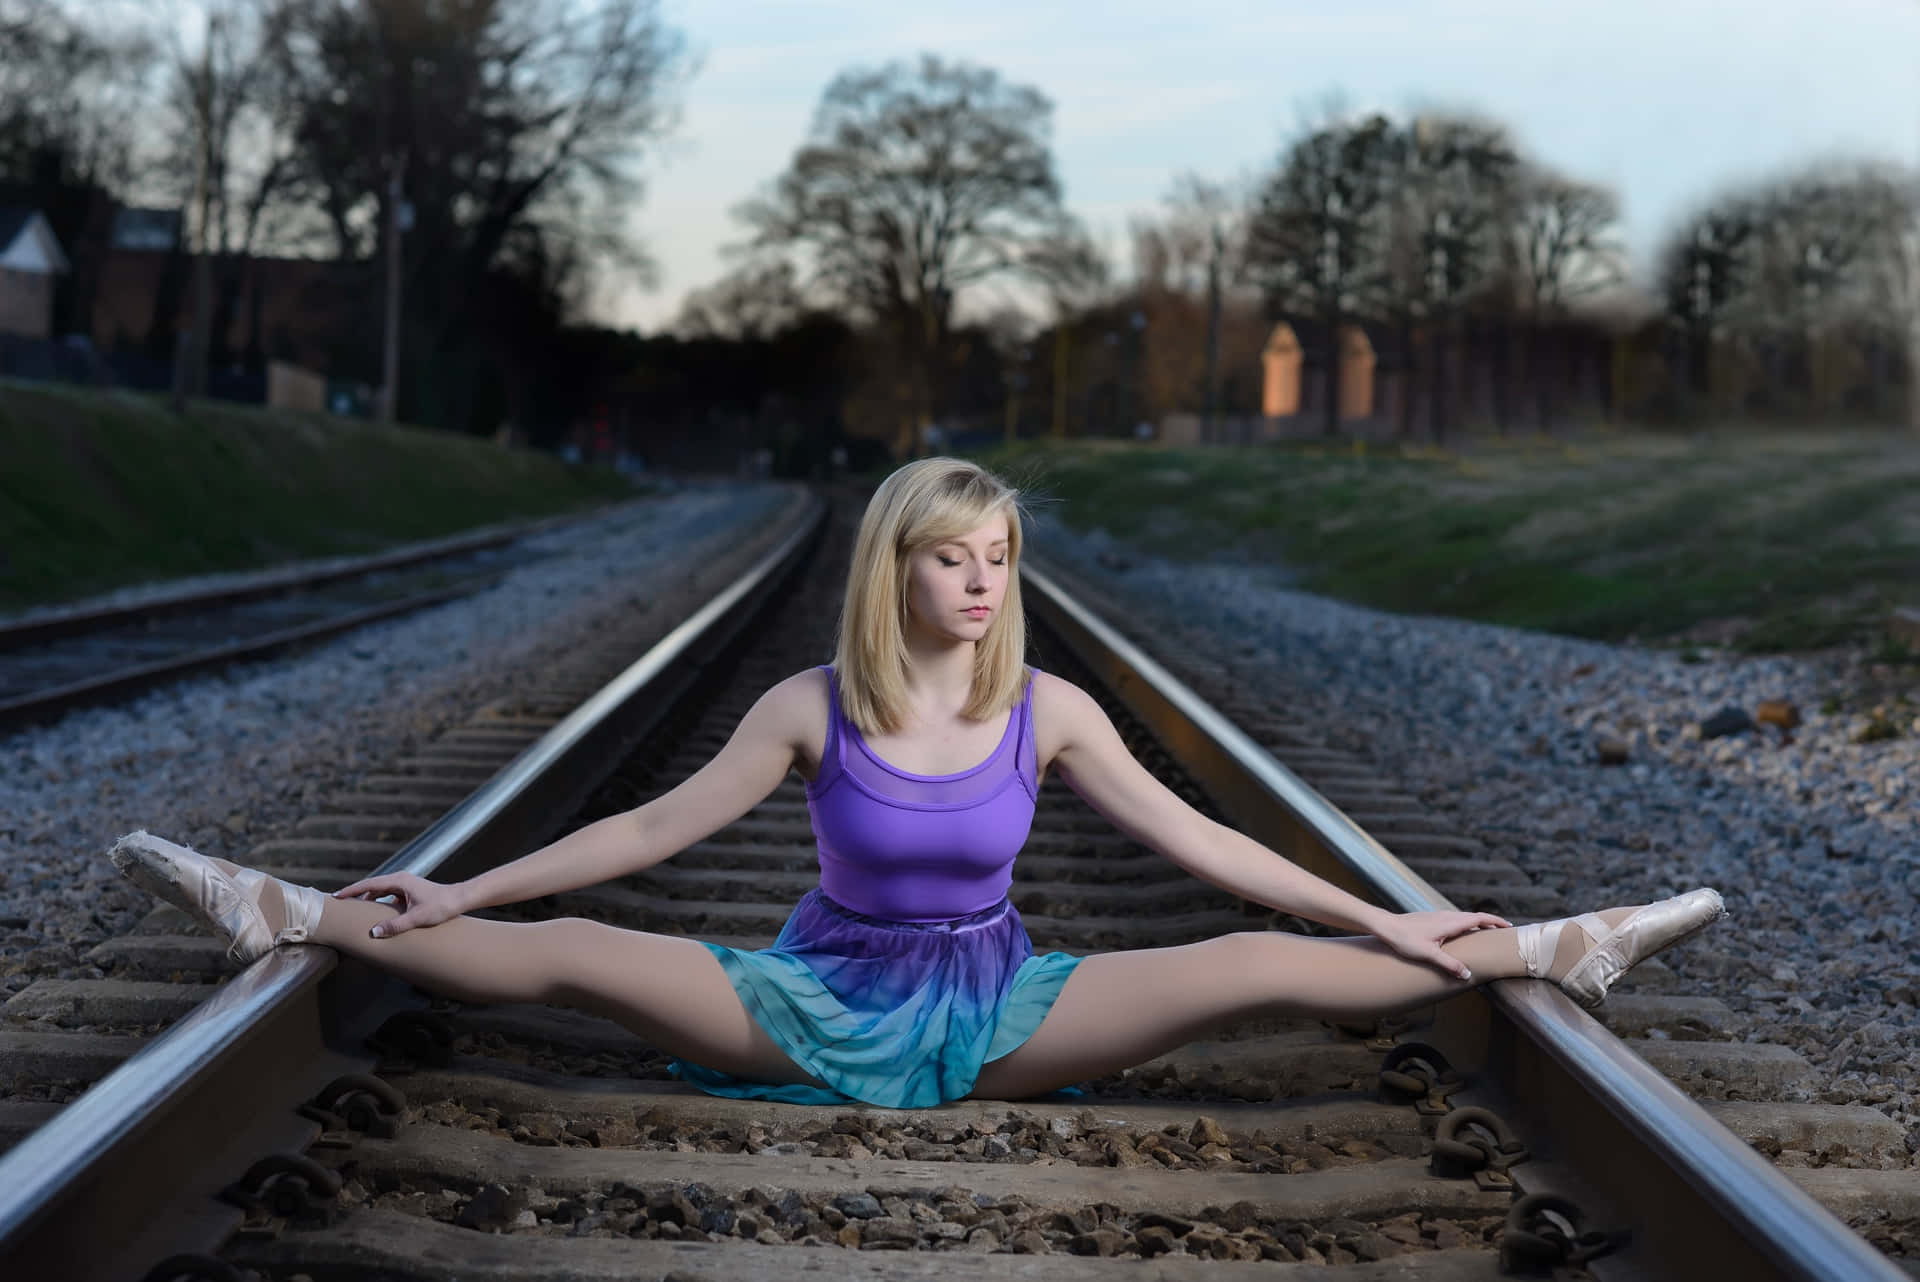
(897, 1014)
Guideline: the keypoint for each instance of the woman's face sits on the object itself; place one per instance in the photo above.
(955, 588)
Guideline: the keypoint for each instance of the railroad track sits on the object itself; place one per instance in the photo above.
(506, 1142)
(53, 661)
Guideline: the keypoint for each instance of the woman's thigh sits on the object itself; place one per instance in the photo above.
(670, 991)
(1121, 1009)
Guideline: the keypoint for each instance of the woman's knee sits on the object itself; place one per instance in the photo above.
(1253, 949)
(558, 965)
(595, 966)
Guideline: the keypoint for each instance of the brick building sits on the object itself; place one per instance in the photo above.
(290, 309)
(300, 310)
(30, 259)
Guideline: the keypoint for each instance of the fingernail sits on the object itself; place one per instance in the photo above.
(1466, 974)
(376, 932)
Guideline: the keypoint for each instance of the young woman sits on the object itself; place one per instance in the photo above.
(906, 978)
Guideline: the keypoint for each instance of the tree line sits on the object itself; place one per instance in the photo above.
(500, 143)
(1796, 297)
(914, 272)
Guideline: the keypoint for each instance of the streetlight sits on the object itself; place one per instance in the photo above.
(399, 222)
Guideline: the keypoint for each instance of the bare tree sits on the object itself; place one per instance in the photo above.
(1836, 235)
(203, 114)
(1567, 236)
(1450, 202)
(229, 159)
(1207, 229)
(521, 127)
(1703, 270)
(1893, 278)
(1073, 271)
(71, 93)
(756, 301)
(1564, 236)
(1812, 234)
(225, 110)
(1202, 228)
(1789, 268)
(1316, 242)
(1009, 330)
(916, 182)
(1190, 266)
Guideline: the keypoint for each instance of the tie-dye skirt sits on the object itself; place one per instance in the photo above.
(897, 1014)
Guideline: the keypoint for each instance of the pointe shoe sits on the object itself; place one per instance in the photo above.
(227, 904)
(1645, 932)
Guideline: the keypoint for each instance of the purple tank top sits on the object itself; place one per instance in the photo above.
(907, 847)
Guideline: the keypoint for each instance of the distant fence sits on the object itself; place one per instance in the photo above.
(1255, 429)
(46, 360)
(74, 359)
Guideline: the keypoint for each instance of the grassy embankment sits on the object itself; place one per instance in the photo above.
(1770, 541)
(99, 490)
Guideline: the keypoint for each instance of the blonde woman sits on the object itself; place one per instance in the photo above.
(906, 978)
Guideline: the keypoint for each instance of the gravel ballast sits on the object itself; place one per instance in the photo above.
(226, 760)
(1808, 832)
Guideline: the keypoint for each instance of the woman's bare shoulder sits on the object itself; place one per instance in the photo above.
(1058, 705)
(801, 700)
(802, 697)
(1053, 689)
(808, 682)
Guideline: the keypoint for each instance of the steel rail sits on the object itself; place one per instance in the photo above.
(43, 705)
(53, 624)
(1700, 1201)
(59, 1188)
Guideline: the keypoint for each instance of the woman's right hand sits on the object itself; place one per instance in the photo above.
(422, 902)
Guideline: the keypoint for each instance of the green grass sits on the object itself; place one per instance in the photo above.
(1803, 539)
(99, 490)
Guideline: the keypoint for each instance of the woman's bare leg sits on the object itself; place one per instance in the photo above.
(673, 992)
(1121, 1009)
(670, 991)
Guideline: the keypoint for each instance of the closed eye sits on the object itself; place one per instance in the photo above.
(951, 564)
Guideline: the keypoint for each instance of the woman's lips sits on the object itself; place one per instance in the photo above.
(980, 611)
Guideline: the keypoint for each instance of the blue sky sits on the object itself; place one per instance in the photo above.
(1666, 101)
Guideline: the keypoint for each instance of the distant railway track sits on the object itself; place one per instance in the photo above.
(52, 662)
(508, 1142)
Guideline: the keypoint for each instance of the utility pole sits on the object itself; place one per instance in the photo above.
(190, 354)
(1060, 340)
(399, 218)
(1211, 392)
(1911, 246)
(1016, 381)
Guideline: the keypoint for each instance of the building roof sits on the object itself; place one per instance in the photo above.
(27, 242)
(12, 219)
(136, 228)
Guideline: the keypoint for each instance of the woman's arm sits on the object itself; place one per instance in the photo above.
(1096, 764)
(740, 776)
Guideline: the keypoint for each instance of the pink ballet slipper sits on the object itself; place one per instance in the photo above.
(1617, 949)
(226, 904)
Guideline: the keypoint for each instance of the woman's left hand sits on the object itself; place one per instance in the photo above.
(1418, 936)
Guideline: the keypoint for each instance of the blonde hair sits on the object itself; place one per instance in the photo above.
(926, 501)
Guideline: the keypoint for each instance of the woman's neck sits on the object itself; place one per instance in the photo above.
(940, 677)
